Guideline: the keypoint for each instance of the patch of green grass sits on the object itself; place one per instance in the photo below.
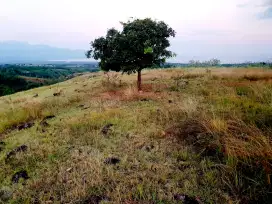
(243, 91)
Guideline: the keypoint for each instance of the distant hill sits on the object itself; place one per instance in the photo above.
(13, 51)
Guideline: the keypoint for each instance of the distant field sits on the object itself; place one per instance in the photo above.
(193, 135)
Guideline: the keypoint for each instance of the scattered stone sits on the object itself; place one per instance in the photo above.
(25, 126)
(49, 117)
(148, 148)
(56, 94)
(20, 174)
(112, 160)
(186, 199)
(94, 199)
(44, 124)
(36, 95)
(22, 148)
(81, 106)
(105, 130)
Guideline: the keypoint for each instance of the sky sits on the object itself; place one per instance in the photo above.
(231, 30)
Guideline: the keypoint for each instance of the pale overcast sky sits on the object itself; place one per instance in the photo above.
(232, 30)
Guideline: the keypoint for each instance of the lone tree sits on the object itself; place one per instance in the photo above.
(142, 43)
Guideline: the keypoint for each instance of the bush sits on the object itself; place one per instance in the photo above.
(243, 152)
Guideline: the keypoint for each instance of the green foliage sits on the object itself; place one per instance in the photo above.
(148, 50)
(55, 72)
(5, 90)
(11, 80)
(10, 84)
(209, 63)
(142, 43)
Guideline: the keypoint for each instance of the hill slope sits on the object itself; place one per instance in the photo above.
(192, 136)
(13, 52)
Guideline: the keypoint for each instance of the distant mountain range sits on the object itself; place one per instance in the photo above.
(18, 52)
(23, 52)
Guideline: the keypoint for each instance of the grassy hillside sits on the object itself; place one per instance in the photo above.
(191, 136)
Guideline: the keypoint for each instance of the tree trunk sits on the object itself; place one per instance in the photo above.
(139, 82)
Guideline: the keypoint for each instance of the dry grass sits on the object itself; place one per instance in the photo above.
(204, 134)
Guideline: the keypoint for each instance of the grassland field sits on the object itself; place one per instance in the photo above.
(192, 135)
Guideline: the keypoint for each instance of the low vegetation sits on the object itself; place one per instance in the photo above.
(15, 78)
(191, 136)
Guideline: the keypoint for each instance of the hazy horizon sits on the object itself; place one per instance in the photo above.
(233, 31)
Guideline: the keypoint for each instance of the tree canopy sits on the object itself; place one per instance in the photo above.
(209, 63)
(142, 43)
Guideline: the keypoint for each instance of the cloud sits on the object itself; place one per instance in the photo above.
(262, 8)
(267, 3)
(267, 14)
(245, 5)
(255, 4)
